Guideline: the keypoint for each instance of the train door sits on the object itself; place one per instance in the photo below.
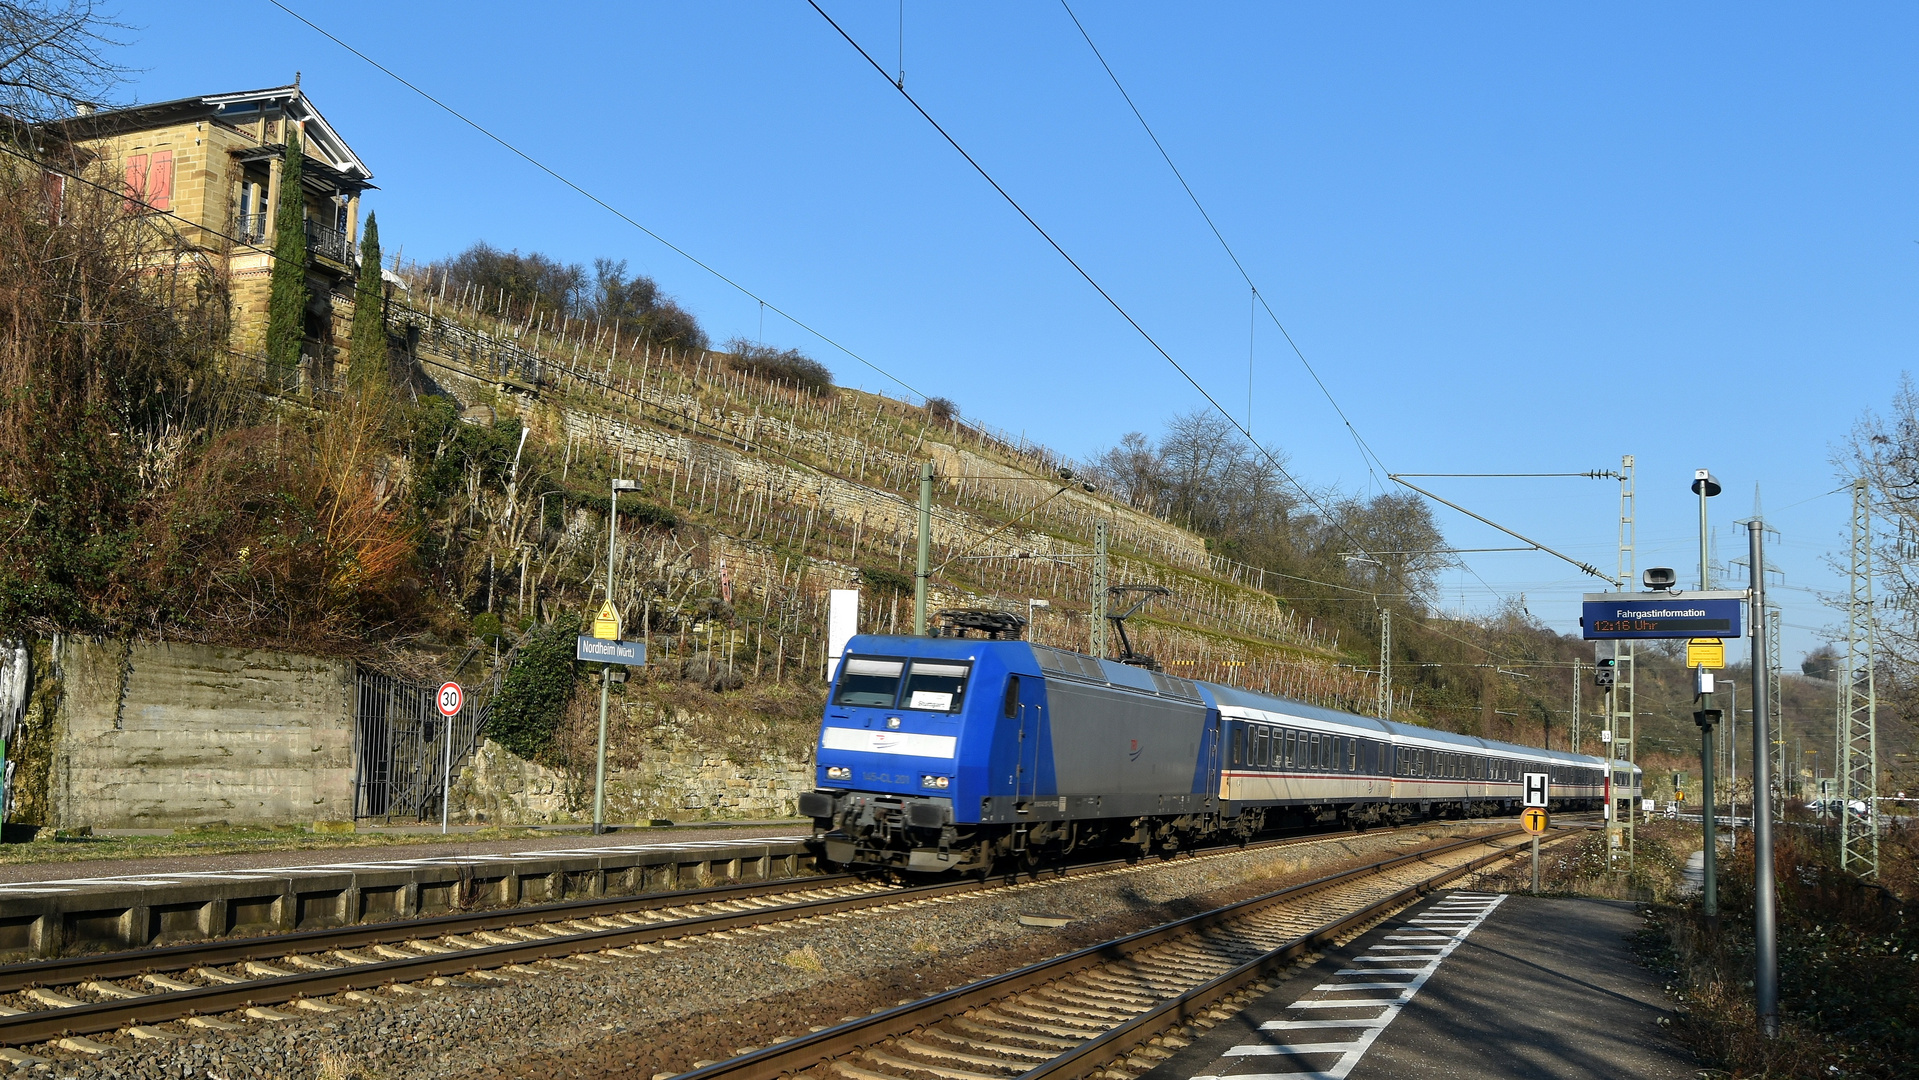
(1031, 719)
(1214, 758)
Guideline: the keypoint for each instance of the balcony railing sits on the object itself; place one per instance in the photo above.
(326, 243)
(253, 228)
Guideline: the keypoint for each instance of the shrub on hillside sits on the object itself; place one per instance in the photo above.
(533, 697)
(791, 365)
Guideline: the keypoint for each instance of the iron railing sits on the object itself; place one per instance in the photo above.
(326, 243)
(401, 767)
(252, 228)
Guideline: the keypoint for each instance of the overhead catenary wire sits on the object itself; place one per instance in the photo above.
(1117, 307)
(595, 199)
(1367, 456)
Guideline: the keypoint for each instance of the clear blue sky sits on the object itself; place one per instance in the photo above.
(1509, 237)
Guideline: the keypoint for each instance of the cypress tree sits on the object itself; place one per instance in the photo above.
(287, 303)
(366, 354)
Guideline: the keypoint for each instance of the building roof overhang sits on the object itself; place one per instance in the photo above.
(323, 143)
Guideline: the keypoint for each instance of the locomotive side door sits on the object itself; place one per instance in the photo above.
(1031, 719)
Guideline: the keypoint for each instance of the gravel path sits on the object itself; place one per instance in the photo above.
(721, 994)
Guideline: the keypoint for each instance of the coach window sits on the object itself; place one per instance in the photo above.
(1239, 745)
(936, 686)
(1290, 738)
(1262, 746)
(869, 681)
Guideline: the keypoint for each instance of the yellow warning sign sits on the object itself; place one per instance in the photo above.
(1705, 652)
(1533, 820)
(606, 625)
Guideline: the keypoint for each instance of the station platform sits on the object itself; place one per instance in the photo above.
(195, 899)
(1466, 984)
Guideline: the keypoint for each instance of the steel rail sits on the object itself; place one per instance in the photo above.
(793, 1057)
(161, 1006)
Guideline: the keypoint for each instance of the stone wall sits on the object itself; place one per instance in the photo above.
(165, 735)
(675, 783)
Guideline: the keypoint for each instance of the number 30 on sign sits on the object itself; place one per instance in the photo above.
(450, 699)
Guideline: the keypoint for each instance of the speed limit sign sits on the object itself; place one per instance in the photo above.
(451, 698)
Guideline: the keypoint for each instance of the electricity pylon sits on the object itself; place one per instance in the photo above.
(1859, 714)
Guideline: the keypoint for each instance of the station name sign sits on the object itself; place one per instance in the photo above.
(1712, 614)
(601, 651)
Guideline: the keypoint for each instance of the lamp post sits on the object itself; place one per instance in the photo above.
(1706, 716)
(606, 670)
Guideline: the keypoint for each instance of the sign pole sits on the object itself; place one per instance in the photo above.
(1535, 865)
(450, 699)
(606, 670)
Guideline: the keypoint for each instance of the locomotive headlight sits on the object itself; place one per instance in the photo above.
(838, 772)
(940, 782)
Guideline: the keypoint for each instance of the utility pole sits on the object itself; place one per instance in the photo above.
(1576, 689)
(1098, 642)
(1858, 768)
(1765, 926)
(920, 571)
(1385, 703)
(1619, 710)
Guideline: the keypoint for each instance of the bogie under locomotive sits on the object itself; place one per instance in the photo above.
(951, 753)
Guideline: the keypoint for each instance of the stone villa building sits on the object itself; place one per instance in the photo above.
(214, 164)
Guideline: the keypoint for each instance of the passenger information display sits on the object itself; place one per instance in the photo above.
(1716, 614)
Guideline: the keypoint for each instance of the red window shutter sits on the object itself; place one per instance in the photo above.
(160, 181)
(136, 182)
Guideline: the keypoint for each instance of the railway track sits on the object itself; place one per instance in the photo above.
(134, 991)
(1097, 1008)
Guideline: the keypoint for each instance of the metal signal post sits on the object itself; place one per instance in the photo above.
(1765, 925)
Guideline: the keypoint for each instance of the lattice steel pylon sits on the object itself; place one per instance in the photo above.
(1858, 770)
(1385, 704)
(1782, 781)
(1621, 836)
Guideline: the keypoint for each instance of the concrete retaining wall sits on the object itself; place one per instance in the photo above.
(164, 735)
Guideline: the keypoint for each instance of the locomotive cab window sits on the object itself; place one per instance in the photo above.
(936, 685)
(869, 681)
(1011, 706)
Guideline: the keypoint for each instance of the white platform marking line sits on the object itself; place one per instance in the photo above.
(1351, 1052)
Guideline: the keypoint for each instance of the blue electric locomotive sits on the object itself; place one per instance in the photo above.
(949, 753)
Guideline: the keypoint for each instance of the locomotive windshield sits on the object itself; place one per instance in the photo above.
(869, 681)
(936, 686)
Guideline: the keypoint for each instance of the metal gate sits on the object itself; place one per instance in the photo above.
(400, 746)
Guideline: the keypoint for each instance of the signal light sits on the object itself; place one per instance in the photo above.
(1606, 672)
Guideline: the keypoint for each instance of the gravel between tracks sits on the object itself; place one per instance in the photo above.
(722, 994)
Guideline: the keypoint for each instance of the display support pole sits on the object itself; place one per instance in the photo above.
(1765, 925)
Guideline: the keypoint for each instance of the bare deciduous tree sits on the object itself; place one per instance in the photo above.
(53, 57)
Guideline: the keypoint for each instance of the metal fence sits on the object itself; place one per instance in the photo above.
(400, 748)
